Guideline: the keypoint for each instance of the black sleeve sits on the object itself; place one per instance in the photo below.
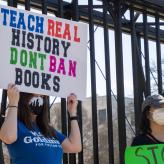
(136, 142)
(142, 140)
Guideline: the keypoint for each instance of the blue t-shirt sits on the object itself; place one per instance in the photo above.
(31, 147)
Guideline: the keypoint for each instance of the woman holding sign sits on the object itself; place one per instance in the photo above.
(152, 122)
(29, 137)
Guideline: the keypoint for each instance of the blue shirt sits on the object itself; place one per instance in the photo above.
(31, 147)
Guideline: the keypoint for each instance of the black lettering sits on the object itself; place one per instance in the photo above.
(55, 50)
(18, 76)
(23, 38)
(35, 79)
(39, 38)
(65, 46)
(27, 78)
(15, 37)
(47, 45)
(56, 81)
(45, 78)
(30, 38)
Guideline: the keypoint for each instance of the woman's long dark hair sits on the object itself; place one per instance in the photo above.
(145, 122)
(24, 115)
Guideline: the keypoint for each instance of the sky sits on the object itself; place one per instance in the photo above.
(99, 54)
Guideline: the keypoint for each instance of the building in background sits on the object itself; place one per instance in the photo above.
(102, 126)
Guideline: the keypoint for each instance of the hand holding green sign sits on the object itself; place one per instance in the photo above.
(147, 154)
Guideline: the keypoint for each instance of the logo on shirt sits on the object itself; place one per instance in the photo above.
(39, 140)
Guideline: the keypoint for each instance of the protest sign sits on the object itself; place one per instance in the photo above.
(42, 54)
(147, 154)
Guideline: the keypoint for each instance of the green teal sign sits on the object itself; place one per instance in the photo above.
(147, 154)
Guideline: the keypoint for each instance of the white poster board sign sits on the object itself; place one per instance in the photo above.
(42, 54)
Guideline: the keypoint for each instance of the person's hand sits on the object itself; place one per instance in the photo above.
(72, 104)
(13, 95)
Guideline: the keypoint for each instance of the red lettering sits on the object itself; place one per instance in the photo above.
(62, 30)
(58, 29)
(76, 39)
(51, 27)
(67, 34)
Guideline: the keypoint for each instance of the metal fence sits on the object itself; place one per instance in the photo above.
(111, 16)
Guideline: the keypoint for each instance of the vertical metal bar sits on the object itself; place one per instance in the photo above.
(146, 48)
(75, 10)
(108, 87)
(72, 156)
(44, 6)
(27, 5)
(75, 17)
(3, 110)
(63, 101)
(141, 71)
(135, 63)
(60, 11)
(10, 2)
(139, 47)
(3, 105)
(141, 77)
(158, 47)
(64, 125)
(79, 108)
(15, 2)
(93, 84)
(44, 11)
(1, 154)
(79, 111)
(120, 81)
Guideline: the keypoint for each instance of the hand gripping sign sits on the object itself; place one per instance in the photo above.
(147, 154)
(42, 54)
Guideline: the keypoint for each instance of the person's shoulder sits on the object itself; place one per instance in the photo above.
(59, 136)
(141, 139)
(20, 124)
(57, 133)
(22, 127)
